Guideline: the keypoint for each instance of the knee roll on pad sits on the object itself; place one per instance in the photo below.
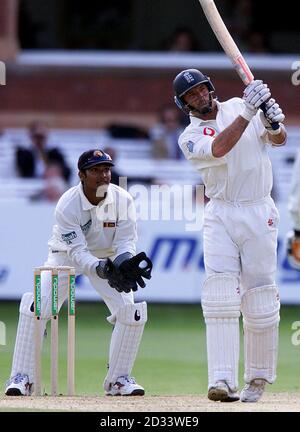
(26, 304)
(133, 314)
(221, 296)
(129, 321)
(260, 307)
(130, 314)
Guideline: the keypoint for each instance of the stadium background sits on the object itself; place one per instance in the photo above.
(97, 74)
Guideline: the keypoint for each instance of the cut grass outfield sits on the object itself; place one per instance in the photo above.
(172, 355)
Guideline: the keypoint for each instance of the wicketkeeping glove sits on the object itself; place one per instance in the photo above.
(137, 268)
(107, 270)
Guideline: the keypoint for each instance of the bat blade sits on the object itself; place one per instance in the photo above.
(229, 46)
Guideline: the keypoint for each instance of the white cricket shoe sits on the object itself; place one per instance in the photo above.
(253, 392)
(18, 385)
(221, 392)
(125, 386)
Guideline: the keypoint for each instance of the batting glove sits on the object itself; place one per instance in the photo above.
(255, 94)
(273, 114)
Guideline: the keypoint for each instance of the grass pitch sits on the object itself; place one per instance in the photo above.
(172, 355)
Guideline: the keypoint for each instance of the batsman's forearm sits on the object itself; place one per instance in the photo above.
(279, 139)
(227, 139)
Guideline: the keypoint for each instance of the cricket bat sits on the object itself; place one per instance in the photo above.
(229, 46)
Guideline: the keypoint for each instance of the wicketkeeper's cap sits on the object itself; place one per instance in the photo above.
(93, 157)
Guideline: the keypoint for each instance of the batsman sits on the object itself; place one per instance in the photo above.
(227, 142)
(95, 232)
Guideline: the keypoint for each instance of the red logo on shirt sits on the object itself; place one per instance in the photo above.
(270, 222)
(209, 131)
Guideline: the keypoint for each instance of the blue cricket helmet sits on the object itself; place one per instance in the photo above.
(185, 81)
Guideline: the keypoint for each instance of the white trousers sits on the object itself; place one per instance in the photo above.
(242, 240)
(240, 243)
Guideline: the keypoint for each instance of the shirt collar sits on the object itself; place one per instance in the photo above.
(199, 121)
(86, 205)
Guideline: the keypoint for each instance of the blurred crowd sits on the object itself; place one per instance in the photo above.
(39, 158)
(114, 26)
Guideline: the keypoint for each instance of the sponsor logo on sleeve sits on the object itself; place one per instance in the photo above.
(67, 238)
(190, 146)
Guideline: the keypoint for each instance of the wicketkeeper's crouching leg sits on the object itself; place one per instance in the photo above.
(129, 322)
(21, 380)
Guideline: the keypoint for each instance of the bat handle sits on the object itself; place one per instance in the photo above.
(274, 125)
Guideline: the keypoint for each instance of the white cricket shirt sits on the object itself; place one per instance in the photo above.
(88, 232)
(245, 172)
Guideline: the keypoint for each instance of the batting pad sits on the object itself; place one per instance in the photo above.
(23, 358)
(125, 340)
(260, 307)
(221, 305)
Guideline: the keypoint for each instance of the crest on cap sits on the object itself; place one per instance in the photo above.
(98, 153)
(93, 157)
(189, 77)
